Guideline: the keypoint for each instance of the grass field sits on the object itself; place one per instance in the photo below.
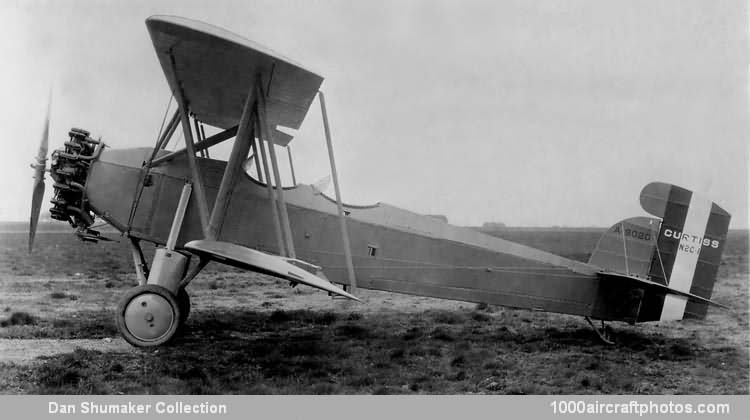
(251, 334)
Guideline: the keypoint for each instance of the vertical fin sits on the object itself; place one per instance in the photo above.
(627, 247)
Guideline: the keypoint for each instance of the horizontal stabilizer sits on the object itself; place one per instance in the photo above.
(658, 287)
(250, 259)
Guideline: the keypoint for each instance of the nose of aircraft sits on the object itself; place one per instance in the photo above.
(69, 168)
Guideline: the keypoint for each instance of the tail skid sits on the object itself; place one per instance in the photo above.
(604, 332)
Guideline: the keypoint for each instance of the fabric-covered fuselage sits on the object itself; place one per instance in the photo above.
(392, 249)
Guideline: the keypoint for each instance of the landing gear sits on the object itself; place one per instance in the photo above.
(148, 315)
(604, 333)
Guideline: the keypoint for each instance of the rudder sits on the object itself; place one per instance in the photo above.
(688, 250)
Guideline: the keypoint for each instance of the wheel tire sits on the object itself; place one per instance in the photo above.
(183, 301)
(148, 316)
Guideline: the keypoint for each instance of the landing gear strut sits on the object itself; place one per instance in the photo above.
(604, 333)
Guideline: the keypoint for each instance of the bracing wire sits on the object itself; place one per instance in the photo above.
(144, 176)
(164, 119)
(624, 247)
(661, 263)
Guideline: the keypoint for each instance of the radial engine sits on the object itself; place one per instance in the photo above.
(69, 169)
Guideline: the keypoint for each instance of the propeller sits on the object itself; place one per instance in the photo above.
(38, 190)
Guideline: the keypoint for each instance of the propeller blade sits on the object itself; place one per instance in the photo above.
(36, 204)
(41, 155)
(38, 191)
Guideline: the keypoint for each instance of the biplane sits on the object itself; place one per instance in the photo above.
(196, 209)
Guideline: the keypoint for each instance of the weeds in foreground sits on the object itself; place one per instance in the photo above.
(323, 352)
(19, 318)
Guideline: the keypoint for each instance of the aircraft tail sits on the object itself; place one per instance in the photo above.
(672, 258)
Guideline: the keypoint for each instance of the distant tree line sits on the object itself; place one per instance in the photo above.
(493, 225)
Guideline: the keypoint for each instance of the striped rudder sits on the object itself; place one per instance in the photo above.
(691, 239)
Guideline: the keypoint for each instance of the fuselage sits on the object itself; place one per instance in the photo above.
(392, 249)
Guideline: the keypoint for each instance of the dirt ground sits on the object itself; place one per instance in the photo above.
(250, 334)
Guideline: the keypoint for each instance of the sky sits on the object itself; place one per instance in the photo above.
(529, 113)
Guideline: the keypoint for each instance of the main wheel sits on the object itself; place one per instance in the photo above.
(148, 316)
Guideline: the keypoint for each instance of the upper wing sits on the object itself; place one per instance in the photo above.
(216, 69)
